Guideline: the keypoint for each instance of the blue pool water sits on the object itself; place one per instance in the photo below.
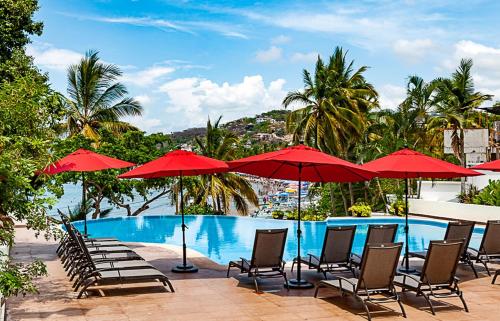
(225, 238)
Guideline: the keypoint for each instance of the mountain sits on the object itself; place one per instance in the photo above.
(265, 127)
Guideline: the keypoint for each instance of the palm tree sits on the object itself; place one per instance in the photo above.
(96, 100)
(333, 104)
(456, 97)
(333, 107)
(224, 188)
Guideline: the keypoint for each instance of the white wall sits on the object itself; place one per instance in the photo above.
(451, 210)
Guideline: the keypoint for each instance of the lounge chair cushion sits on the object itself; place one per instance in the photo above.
(337, 284)
(132, 274)
(405, 282)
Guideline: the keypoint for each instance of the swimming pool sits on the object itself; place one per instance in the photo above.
(224, 238)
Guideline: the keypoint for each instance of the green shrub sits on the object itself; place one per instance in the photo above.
(361, 209)
(397, 208)
(278, 214)
(490, 195)
(468, 196)
(198, 209)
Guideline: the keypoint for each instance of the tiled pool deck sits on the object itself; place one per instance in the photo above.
(209, 295)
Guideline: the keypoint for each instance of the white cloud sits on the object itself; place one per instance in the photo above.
(486, 68)
(143, 99)
(271, 54)
(307, 57)
(414, 50)
(192, 100)
(390, 96)
(187, 26)
(147, 76)
(49, 57)
(281, 39)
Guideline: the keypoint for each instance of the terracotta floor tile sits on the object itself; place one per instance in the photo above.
(210, 296)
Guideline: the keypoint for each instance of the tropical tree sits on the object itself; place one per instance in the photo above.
(226, 188)
(332, 107)
(96, 99)
(455, 98)
(332, 104)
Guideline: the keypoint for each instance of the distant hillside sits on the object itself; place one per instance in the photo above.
(265, 127)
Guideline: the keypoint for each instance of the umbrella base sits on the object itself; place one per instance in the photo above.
(299, 284)
(407, 270)
(185, 269)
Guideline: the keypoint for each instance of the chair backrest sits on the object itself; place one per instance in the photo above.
(85, 251)
(460, 230)
(381, 233)
(490, 244)
(441, 262)
(378, 266)
(268, 248)
(337, 245)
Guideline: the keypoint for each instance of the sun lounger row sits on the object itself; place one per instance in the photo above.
(102, 262)
(377, 267)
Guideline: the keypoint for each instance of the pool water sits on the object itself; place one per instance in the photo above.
(225, 238)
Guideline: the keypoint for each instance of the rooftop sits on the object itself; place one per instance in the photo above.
(209, 295)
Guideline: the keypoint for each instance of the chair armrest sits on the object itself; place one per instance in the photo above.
(313, 256)
(341, 278)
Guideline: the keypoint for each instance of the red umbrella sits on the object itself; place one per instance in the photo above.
(179, 163)
(83, 161)
(407, 163)
(490, 166)
(301, 163)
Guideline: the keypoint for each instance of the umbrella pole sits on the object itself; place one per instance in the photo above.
(407, 268)
(298, 283)
(84, 204)
(184, 268)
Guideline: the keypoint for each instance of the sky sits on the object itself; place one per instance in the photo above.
(186, 60)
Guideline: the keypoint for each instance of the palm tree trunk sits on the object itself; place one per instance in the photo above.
(344, 200)
(381, 191)
(333, 201)
(351, 193)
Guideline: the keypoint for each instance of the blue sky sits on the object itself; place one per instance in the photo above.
(188, 60)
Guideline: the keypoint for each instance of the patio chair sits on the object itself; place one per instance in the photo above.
(85, 265)
(378, 268)
(489, 249)
(336, 252)
(72, 251)
(267, 257)
(377, 234)
(437, 278)
(457, 230)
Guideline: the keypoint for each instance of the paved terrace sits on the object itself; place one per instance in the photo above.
(209, 295)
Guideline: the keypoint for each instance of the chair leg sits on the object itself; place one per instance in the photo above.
(426, 297)
(365, 307)
(486, 267)
(472, 267)
(293, 264)
(287, 286)
(317, 290)
(256, 284)
(401, 306)
(166, 282)
(497, 273)
(228, 268)
(461, 296)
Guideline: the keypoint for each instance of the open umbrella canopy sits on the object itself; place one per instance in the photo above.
(315, 166)
(177, 163)
(84, 160)
(407, 163)
(490, 166)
